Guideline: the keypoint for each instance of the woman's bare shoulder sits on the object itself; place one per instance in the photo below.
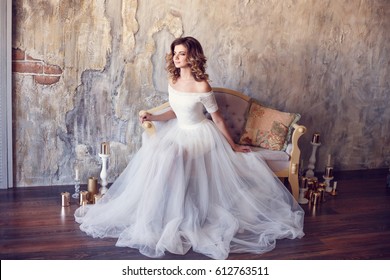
(203, 87)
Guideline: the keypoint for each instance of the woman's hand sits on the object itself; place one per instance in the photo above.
(145, 116)
(241, 149)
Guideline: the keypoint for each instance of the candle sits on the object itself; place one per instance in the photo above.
(77, 178)
(304, 182)
(329, 171)
(105, 148)
(315, 198)
(92, 188)
(96, 198)
(83, 197)
(334, 185)
(316, 138)
(65, 199)
(329, 160)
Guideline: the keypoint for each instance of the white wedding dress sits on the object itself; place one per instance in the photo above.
(186, 188)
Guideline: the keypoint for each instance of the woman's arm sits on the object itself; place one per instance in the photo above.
(220, 123)
(161, 117)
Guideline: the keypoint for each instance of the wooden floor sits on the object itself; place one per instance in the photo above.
(355, 224)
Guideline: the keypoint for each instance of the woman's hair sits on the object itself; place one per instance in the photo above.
(195, 56)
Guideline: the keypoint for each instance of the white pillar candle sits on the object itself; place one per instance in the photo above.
(334, 185)
(76, 174)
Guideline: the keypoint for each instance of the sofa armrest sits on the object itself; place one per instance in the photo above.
(295, 156)
(299, 130)
(148, 125)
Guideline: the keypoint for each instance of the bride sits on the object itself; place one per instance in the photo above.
(189, 185)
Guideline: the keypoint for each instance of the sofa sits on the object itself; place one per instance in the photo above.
(272, 133)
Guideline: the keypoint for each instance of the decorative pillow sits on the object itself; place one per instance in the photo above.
(267, 128)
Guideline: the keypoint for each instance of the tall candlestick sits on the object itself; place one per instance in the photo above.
(103, 173)
(77, 184)
(312, 160)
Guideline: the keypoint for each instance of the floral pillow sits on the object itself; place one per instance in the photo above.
(267, 128)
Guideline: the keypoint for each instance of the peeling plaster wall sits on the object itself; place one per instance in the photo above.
(328, 60)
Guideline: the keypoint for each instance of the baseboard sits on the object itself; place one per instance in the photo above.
(359, 174)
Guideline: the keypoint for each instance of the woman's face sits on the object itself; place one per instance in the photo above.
(180, 56)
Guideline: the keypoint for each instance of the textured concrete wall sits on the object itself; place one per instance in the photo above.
(104, 60)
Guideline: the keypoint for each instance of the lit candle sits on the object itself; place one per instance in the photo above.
(329, 171)
(329, 157)
(105, 148)
(76, 177)
(316, 138)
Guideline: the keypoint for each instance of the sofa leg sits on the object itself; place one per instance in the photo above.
(294, 184)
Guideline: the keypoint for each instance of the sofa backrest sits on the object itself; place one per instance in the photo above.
(233, 106)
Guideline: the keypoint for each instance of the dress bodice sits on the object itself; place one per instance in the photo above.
(189, 107)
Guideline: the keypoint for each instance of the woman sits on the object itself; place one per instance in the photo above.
(190, 185)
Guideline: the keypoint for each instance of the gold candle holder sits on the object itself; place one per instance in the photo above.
(310, 189)
(96, 198)
(92, 188)
(65, 199)
(321, 190)
(315, 199)
(83, 197)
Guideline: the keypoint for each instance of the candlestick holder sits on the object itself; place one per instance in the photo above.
(321, 190)
(302, 199)
(327, 179)
(312, 160)
(76, 194)
(103, 173)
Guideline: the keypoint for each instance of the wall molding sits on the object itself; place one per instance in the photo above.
(6, 170)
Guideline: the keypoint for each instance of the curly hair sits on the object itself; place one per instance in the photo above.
(196, 59)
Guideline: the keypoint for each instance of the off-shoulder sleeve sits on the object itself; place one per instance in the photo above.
(209, 102)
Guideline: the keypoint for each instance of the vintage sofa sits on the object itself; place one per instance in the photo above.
(234, 107)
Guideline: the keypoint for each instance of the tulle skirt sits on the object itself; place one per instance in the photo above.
(186, 188)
